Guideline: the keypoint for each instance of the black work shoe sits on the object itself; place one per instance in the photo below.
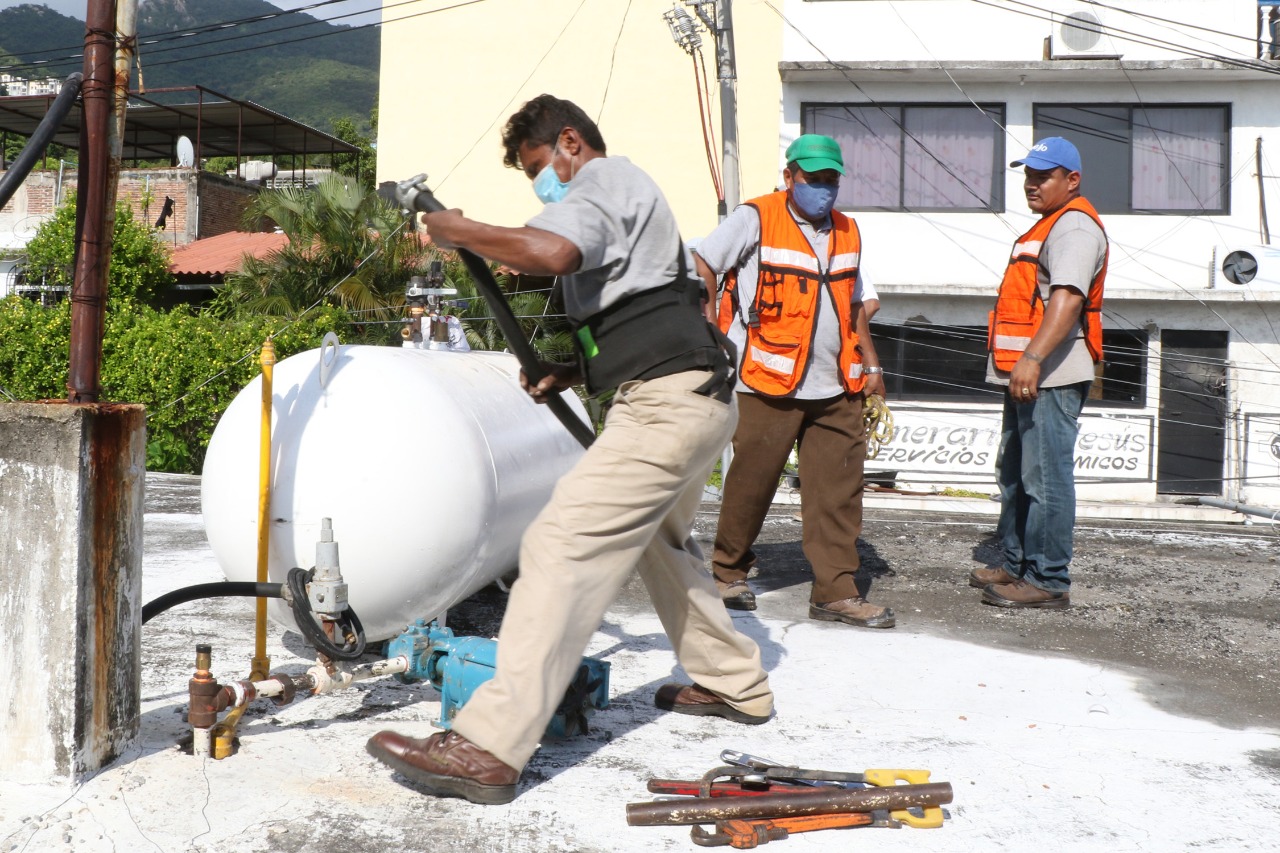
(983, 578)
(447, 765)
(701, 702)
(853, 611)
(736, 595)
(1022, 594)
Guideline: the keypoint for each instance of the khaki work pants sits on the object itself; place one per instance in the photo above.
(629, 503)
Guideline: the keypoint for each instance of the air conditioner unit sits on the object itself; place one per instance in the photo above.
(1080, 35)
(1245, 268)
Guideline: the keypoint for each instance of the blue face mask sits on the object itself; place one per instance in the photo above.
(547, 186)
(814, 201)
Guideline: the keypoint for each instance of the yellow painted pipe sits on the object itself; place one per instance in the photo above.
(261, 663)
(224, 733)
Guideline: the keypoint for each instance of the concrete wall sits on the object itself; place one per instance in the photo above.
(71, 502)
(450, 81)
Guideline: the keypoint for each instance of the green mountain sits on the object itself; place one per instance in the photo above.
(311, 71)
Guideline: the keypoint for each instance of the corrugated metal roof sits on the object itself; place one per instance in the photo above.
(225, 253)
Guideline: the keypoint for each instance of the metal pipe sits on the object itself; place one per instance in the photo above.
(36, 144)
(203, 695)
(820, 801)
(327, 679)
(93, 232)
(261, 662)
(1246, 509)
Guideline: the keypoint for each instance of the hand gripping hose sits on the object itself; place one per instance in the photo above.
(879, 422)
(413, 194)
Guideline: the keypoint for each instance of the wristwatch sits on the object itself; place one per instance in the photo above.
(873, 370)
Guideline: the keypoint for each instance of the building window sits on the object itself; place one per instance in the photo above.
(949, 363)
(934, 362)
(909, 157)
(1121, 376)
(1147, 159)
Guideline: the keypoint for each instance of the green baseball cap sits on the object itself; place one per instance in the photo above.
(814, 152)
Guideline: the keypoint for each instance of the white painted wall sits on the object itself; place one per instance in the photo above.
(992, 30)
(8, 275)
(943, 268)
(451, 79)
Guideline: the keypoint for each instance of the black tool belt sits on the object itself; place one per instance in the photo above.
(650, 334)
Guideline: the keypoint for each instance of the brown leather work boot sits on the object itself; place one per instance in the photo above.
(983, 578)
(1022, 594)
(736, 595)
(853, 611)
(447, 765)
(700, 702)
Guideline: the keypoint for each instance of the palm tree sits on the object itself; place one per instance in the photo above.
(347, 247)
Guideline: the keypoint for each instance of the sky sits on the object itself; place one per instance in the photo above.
(77, 8)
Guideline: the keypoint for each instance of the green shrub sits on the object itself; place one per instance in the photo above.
(184, 367)
(139, 268)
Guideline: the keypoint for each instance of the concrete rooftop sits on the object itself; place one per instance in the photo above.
(1045, 749)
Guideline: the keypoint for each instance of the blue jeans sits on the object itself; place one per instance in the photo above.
(1036, 472)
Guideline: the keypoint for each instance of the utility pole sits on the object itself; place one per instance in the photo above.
(93, 232)
(727, 74)
(686, 33)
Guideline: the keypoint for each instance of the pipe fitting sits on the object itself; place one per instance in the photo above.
(203, 692)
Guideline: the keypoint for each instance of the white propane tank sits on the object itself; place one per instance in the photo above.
(431, 464)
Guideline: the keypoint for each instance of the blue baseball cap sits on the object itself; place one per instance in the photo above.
(1050, 153)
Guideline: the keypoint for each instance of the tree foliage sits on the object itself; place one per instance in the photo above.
(347, 247)
(139, 270)
(184, 367)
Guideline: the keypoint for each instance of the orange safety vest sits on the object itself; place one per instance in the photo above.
(780, 320)
(1019, 305)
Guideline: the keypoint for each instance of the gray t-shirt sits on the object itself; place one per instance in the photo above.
(733, 246)
(621, 223)
(1072, 256)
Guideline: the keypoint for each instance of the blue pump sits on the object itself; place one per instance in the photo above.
(456, 666)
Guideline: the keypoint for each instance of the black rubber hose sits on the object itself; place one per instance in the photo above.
(425, 202)
(240, 589)
(347, 625)
(32, 151)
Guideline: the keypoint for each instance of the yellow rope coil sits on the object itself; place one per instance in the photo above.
(879, 422)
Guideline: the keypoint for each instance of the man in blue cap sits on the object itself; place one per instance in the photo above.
(793, 301)
(1045, 339)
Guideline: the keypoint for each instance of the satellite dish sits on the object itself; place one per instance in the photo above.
(186, 152)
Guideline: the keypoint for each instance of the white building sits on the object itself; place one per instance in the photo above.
(931, 100)
(1178, 124)
(22, 86)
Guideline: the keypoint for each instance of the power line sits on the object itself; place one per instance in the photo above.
(189, 33)
(1135, 38)
(510, 100)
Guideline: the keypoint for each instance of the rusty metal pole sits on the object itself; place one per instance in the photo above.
(816, 801)
(93, 234)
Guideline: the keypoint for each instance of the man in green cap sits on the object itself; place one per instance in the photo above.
(794, 301)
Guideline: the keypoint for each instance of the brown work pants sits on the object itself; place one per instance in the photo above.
(629, 503)
(833, 450)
